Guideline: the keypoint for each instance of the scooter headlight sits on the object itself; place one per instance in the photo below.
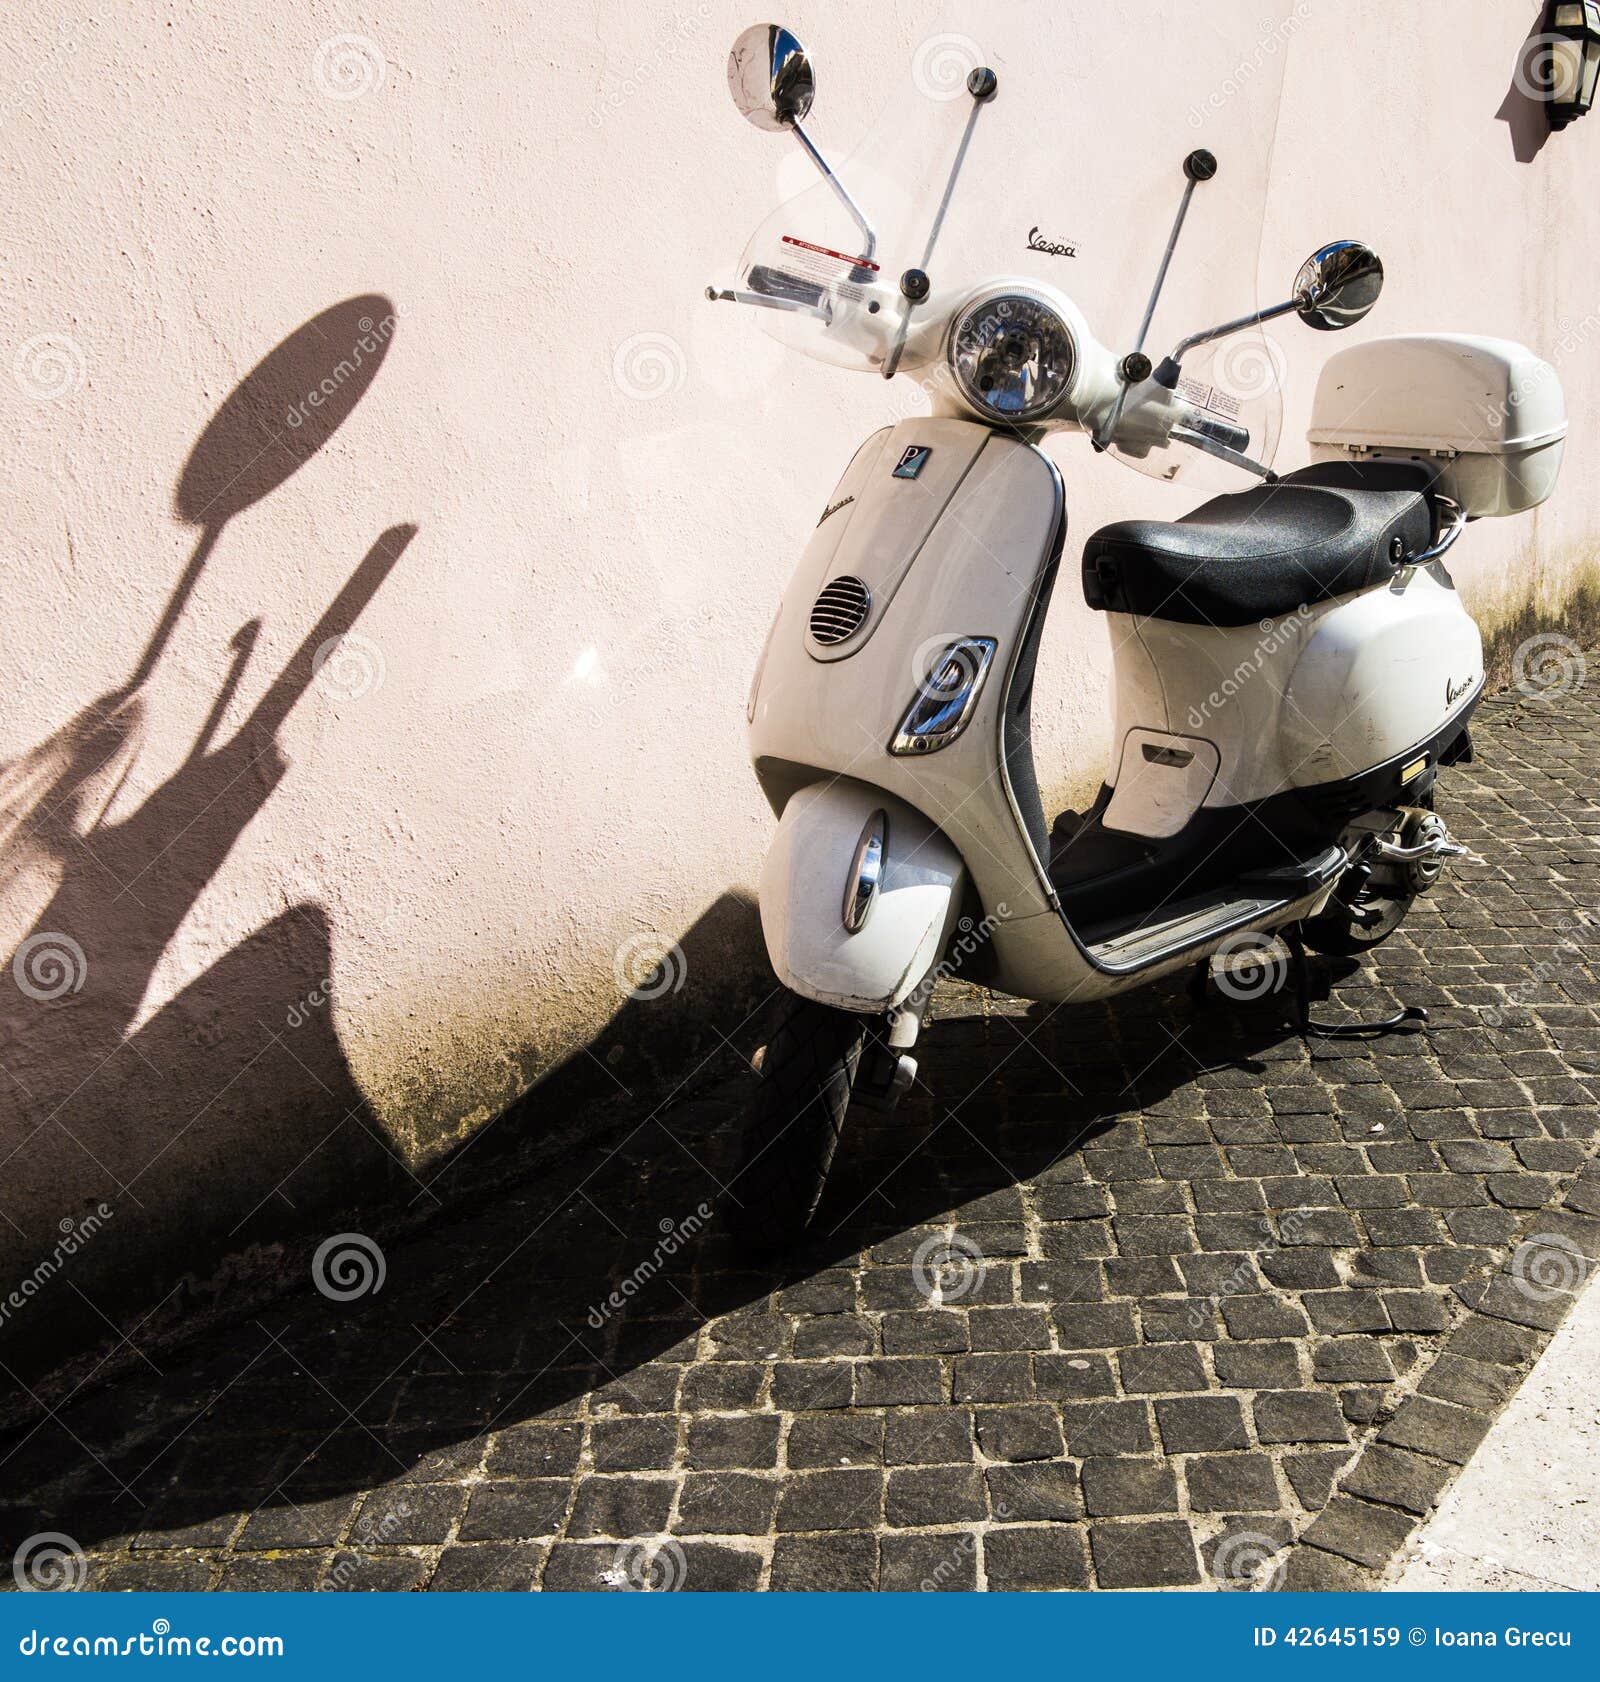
(1012, 356)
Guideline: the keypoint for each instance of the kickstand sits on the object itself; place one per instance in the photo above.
(1341, 1030)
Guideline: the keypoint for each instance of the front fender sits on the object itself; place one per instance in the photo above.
(803, 882)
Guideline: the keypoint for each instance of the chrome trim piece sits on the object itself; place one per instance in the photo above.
(866, 872)
(944, 704)
(1447, 539)
(842, 607)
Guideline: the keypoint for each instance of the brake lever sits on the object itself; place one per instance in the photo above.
(762, 300)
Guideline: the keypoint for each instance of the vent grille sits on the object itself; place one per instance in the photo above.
(840, 611)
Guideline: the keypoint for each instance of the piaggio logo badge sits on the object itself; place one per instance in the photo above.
(913, 461)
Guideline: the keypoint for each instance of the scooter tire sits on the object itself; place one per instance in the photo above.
(792, 1124)
(1335, 934)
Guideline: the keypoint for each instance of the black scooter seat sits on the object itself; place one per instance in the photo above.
(1326, 531)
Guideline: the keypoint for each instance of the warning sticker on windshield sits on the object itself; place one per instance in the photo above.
(1210, 397)
(820, 266)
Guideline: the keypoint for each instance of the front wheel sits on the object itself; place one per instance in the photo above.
(791, 1127)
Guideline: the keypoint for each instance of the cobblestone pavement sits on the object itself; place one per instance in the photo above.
(1124, 1296)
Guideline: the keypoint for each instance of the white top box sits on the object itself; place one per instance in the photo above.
(1487, 414)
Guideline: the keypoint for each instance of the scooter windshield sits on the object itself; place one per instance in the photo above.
(1148, 221)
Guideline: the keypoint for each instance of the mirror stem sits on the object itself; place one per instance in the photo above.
(1167, 373)
(840, 191)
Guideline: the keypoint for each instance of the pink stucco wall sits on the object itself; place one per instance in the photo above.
(341, 903)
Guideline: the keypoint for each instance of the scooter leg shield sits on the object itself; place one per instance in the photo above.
(816, 861)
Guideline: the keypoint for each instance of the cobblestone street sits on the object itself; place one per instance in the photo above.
(1145, 1294)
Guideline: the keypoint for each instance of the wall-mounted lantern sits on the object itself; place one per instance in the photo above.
(1573, 36)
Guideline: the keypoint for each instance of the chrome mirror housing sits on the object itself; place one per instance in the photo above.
(769, 76)
(1338, 285)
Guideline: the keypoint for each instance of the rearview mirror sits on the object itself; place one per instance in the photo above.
(1338, 285)
(769, 76)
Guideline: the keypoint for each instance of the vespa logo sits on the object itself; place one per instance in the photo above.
(913, 461)
(1051, 248)
(1453, 691)
(834, 507)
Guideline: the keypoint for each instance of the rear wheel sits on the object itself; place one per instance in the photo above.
(792, 1125)
(1373, 896)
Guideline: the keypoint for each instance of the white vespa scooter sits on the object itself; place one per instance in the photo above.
(1292, 664)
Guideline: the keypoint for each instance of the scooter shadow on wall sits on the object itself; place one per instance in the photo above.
(598, 1274)
(160, 1124)
(1524, 114)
